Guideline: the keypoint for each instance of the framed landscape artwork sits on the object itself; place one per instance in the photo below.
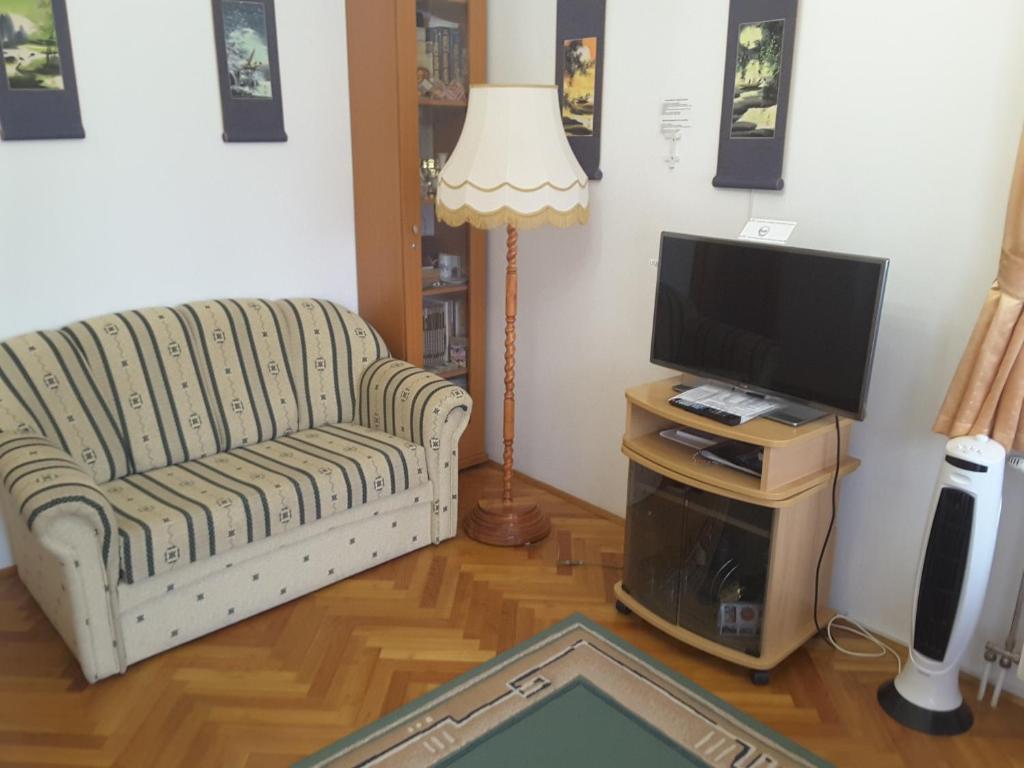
(579, 68)
(250, 75)
(755, 96)
(38, 92)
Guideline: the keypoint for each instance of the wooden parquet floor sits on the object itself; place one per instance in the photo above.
(284, 684)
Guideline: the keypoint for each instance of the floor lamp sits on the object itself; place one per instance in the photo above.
(512, 167)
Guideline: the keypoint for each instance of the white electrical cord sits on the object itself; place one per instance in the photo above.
(856, 628)
(852, 626)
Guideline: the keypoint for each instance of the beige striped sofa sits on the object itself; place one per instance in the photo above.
(166, 472)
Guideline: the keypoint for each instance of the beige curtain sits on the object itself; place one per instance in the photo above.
(987, 392)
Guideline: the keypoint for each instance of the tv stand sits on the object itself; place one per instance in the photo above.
(719, 559)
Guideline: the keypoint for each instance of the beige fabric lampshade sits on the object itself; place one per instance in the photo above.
(513, 164)
(986, 395)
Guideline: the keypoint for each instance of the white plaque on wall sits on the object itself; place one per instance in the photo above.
(768, 230)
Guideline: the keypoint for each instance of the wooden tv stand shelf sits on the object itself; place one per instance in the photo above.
(720, 559)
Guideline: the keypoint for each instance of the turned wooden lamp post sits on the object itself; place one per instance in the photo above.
(512, 167)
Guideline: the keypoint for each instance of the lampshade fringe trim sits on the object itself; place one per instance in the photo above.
(509, 185)
(506, 216)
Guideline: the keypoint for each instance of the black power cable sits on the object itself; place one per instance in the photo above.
(828, 534)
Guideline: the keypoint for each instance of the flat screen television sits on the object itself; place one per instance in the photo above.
(781, 321)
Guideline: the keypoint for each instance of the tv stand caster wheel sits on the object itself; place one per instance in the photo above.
(760, 677)
(622, 608)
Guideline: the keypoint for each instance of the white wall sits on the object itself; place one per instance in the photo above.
(903, 126)
(152, 207)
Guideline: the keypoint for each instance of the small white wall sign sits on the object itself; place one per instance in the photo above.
(673, 120)
(768, 230)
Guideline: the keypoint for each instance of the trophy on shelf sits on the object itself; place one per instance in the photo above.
(429, 171)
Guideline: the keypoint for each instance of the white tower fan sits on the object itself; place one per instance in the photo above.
(952, 575)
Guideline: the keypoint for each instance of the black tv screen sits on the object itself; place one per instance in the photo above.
(790, 322)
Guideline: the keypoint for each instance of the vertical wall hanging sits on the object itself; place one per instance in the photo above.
(579, 70)
(250, 76)
(38, 92)
(755, 98)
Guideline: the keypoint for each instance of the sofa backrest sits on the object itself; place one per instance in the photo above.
(245, 360)
(146, 366)
(138, 390)
(330, 348)
(46, 388)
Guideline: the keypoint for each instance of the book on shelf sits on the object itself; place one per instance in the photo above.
(425, 55)
(440, 51)
(435, 50)
(443, 321)
(460, 318)
(447, 332)
(434, 343)
(444, 38)
(445, 45)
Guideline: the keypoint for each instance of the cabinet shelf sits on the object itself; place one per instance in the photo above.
(446, 290)
(654, 399)
(444, 103)
(682, 463)
(795, 458)
(449, 373)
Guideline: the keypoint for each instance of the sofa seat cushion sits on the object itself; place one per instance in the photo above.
(173, 516)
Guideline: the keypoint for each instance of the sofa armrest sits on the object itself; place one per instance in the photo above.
(416, 405)
(64, 537)
(408, 402)
(43, 484)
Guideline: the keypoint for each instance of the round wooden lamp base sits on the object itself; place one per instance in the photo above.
(507, 523)
(514, 522)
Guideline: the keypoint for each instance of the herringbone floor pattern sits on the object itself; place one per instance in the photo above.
(283, 684)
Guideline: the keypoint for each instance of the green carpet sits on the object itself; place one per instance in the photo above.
(576, 726)
(575, 695)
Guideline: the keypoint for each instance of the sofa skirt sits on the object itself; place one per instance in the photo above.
(174, 608)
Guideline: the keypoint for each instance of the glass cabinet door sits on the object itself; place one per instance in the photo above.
(697, 559)
(421, 284)
(442, 83)
(654, 537)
